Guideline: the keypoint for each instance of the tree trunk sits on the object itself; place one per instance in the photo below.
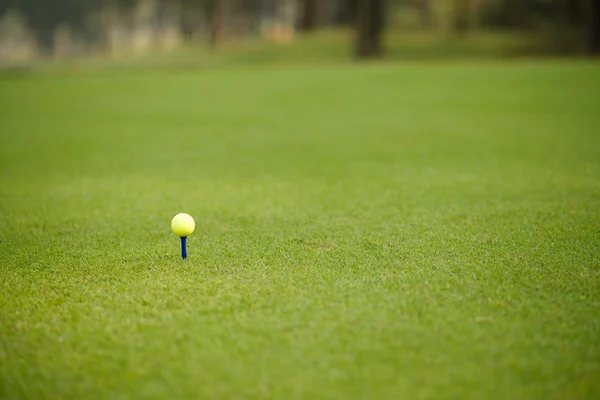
(574, 12)
(370, 21)
(594, 39)
(425, 12)
(217, 23)
(347, 13)
(187, 21)
(462, 16)
(308, 19)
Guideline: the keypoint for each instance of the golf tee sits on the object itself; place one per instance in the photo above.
(184, 247)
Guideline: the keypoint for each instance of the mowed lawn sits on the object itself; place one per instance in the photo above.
(362, 232)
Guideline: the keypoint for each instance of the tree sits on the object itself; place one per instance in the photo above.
(594, 39)
(308, 17)
(424, 7)
(346, 13)
(217, 22)
(369, 24)
(462, 16)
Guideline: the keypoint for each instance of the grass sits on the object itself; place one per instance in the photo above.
(376, 232)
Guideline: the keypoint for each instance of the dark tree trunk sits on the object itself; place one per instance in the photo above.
(308, 19)
(462, 16)
(370, 21)
(574, 12)
(595, 28)
(187, 23)
(347, 12)
(217, 23)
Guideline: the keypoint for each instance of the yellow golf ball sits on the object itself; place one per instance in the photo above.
(183, 224)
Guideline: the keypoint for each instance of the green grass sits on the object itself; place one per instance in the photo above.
(375, 232)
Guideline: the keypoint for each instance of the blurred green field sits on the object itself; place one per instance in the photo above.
(378, 232)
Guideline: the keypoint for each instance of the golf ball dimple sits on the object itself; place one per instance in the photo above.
(183, 224)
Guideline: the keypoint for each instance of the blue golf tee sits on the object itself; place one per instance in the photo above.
(184, 247)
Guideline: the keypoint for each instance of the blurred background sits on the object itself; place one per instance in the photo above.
(197, 32)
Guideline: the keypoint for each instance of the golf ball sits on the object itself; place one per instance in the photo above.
(183, 224)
